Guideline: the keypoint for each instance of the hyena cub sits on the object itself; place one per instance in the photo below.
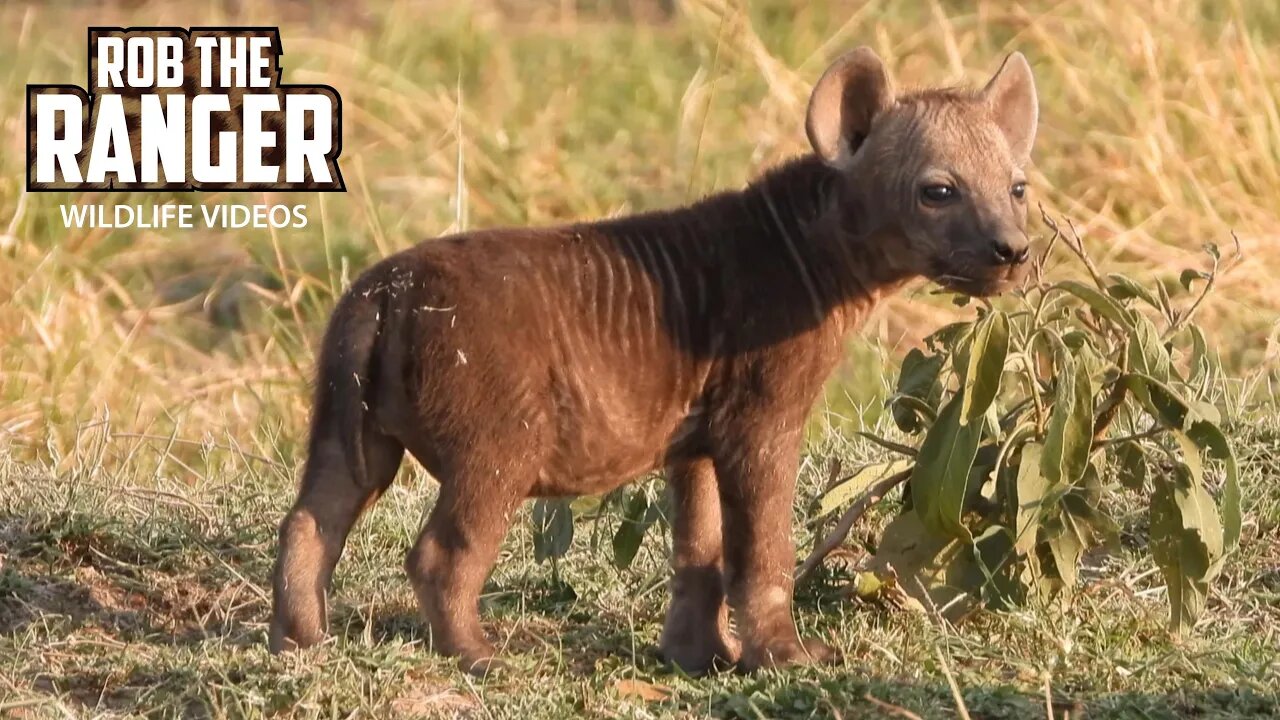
(570, 360)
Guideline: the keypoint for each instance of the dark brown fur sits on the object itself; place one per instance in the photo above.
(566, 361)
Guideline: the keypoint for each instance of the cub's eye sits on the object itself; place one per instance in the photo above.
(938, 194)
(1019, 190)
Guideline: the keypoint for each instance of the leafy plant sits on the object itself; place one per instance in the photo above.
(643, 505)
(1030, 419)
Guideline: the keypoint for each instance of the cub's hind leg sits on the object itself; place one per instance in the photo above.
(454, 554)
(696, 634)
(315, 530)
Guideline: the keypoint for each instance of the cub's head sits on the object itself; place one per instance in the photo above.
(944, 170)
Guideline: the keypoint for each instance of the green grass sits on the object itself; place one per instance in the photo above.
(151, 597)
(154, 386)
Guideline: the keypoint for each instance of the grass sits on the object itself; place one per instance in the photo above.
(153, 386)
(150, 596)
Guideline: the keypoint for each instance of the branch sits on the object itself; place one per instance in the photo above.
(837, 536)
(1153, 432)
(1048, 246)
(1115, 398)
(1078, 249)
(1110, 408)
(1218, 268)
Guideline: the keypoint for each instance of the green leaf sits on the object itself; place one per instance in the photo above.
(1132, 465)
(986, 364)
(922, 560)
(1199, 409)
(1190, 276)
(992, 557)
(1066, 547)
(552, 528)
(960, 356)
(1147, 355)
(1203, 362)
(1032, 486)
(1084, 352)
(1123, 287)
(853, 486)
(1186, 543)
(1081, 512)
(1210, 437)
(1100, 303)
(637, 517)
(949, 336)
(1161, 401)
(941, 473)
(917, 380)
(908, 411)
(1186, 596)
(1075, 340)
(1200, 515)
(1190, 456)
(1070, 430)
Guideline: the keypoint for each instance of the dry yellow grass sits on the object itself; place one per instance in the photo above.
(154, 385)
(1161, 132)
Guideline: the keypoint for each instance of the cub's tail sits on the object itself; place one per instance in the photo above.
(345, 376)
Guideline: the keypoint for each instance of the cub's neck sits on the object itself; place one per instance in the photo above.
(800, 249)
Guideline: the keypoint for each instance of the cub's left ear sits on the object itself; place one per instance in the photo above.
(1011, 95)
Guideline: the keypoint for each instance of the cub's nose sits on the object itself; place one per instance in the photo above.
(1007, 253)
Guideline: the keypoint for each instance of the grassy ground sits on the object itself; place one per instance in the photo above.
(149, 594)
(153, 386)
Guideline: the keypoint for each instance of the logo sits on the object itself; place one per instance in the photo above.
(184, 109)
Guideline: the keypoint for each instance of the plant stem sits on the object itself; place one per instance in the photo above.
(1153, 432)
(1028, 364)
(1115, 398)
(1218, 268)
(837, 536)
(1078, 248)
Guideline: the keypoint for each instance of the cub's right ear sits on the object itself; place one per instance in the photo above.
(848, 97)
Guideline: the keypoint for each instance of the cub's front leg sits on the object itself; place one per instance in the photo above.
(756, 458)
(696, 634)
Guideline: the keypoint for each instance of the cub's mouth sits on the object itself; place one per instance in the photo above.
(983, 282)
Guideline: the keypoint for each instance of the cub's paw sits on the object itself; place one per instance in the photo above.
(699, 656)
(279, 640)
(807, 652)
(482, 664)
(820, 653)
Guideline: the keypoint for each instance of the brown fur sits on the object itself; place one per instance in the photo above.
(565, 361)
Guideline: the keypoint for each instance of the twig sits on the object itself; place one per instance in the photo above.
(837, 536)
(1028, 363)
(887, 444)
(1048, 246)
(1157, 430)
(1218, 268)
(1115, 398)
(951, 681)
(1078, 248)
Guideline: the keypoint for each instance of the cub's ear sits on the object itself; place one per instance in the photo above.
(1011, 95)
(848, 97)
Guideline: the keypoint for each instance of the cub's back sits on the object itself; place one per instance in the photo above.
(586, 333)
